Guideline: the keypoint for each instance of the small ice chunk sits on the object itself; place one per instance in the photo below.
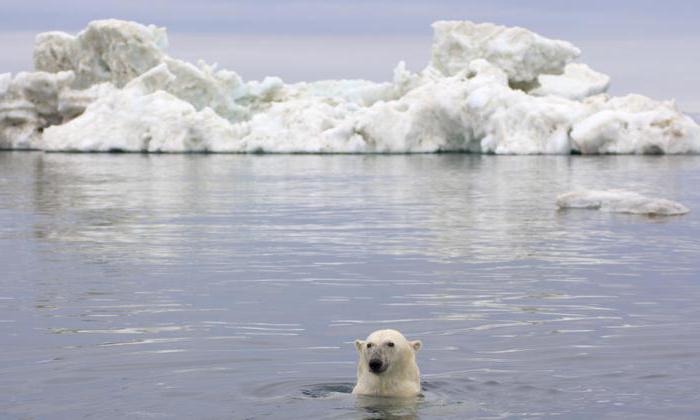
(620, 201)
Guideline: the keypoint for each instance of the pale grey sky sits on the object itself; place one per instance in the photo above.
(647, 46)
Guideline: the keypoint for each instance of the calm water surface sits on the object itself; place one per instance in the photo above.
(196, 286)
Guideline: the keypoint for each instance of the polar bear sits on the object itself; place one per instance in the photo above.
(387, 366)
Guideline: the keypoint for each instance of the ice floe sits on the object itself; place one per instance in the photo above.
(487, 89)
(620, 201)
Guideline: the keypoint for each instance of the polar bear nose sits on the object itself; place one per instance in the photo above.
(376, 366)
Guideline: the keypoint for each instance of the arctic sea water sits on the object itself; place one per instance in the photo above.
(232, 286)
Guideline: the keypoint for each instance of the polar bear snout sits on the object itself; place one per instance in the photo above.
(377, 366)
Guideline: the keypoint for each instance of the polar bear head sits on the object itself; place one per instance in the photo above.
(387, 365)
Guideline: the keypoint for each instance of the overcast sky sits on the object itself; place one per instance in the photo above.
(651, 47)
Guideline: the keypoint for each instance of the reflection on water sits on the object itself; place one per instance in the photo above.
(388, 408)
(233, 286)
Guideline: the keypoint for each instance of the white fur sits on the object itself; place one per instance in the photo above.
(401, 377)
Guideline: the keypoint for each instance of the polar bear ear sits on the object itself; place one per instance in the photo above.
(359, 344)
(416, 345)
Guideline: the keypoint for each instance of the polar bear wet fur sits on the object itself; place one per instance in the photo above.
(387, 365)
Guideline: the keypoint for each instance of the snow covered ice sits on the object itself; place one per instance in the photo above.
(487, 89)
(620, 201)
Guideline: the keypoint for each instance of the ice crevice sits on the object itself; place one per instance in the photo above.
(487, 89)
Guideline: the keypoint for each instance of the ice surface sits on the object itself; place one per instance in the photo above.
(140, 117)
(578, 82)
(521, 54)
(29, 102)
(106, 51)
(487, 89)
(620, 201)
(5, 80)
(635, 124)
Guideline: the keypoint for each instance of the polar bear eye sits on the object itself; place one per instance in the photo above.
(390, 344)
(369, 345)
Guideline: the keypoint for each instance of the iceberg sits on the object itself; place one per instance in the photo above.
(486, 89)
(620, 201)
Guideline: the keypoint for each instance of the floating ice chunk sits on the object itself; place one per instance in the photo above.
(521, 54)
(578, 82)
(620, 201)
(635, 124)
